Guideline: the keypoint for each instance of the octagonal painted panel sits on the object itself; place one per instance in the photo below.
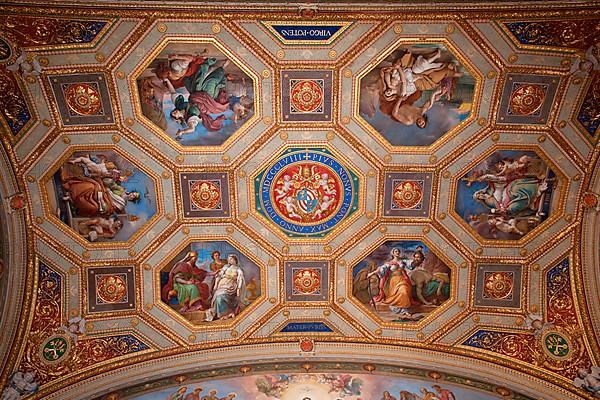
(506, 195)
(209, 281)
(401, 281)
(102, 196)
(416, 94)
(196, 94)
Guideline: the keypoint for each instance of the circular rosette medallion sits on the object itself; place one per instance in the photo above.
(590, 200)
(527, 99)
(498, 285)
(307, 192)
(83, 99)
(307, 281)
(407, 194)
(306, 96)
(307, 344)
(111, 288)
(205, 195)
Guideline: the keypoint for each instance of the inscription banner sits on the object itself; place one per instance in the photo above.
(306, 32)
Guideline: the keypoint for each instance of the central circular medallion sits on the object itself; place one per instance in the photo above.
(307, 192)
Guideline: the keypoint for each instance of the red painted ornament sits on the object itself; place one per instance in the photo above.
(590, 200)
(306, 96)
(308, 12)
(307, 345)
(307, 281)
(407, 195)
(17, 202)
(83, 98)
(205, 195)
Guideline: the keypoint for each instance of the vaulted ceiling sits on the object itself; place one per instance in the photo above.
(220, 193)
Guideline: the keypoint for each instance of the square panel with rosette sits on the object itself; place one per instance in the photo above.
(82, 99)
(498, 286)
(111, 289)
(407, 194)
(306, 280)
(205, 194)
(306, 95)
(527, 99)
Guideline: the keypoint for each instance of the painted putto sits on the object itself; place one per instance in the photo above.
(416, 94)
(102, 196)
(506, 195)
(196, 94)
(401, 281)
(209, 281)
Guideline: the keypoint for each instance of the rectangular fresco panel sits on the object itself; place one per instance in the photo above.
(506, 195)
(401, 281)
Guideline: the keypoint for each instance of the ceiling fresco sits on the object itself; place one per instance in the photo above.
(322, 386)
(417, 94)
(300, 201)
(196, 95)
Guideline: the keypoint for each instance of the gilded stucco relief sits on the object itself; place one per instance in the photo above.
(254, 202)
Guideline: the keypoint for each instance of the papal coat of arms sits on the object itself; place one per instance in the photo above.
(307, 192)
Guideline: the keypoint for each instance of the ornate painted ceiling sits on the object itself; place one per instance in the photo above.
(300, 201)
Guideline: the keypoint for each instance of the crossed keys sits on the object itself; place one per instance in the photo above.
(557, 345)
(55, 349)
